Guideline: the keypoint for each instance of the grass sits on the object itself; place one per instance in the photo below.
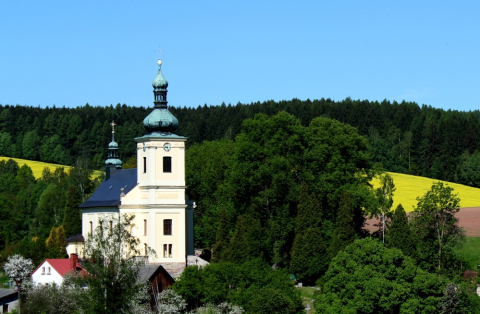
(38, 166)
(409, 187)
(4, 281)
(306, 293)
(469, 253)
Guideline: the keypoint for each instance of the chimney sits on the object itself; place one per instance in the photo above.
(73, 261)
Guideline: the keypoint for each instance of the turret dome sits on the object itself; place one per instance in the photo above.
(160, 119)
(160, 81)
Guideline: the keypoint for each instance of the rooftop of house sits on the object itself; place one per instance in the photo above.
(7, 292)
(62, 265)
(147, 272)
(108, 193)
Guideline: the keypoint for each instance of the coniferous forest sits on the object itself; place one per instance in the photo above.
(403, 137)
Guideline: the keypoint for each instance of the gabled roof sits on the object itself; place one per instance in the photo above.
(108, 193)
(61, 265)
(148, 272)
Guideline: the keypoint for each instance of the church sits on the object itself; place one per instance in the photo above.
(154, 192)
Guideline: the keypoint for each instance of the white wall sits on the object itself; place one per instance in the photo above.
(54, 276)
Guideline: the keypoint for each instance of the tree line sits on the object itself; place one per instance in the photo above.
(403, 137)
(37, 215)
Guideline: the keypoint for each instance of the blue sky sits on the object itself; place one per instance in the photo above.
(68, 53)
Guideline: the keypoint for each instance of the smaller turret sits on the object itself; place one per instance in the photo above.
(113, 162)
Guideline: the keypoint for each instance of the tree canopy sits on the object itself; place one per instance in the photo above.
(368, 277)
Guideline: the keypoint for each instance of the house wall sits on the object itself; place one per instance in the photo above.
(39, 277)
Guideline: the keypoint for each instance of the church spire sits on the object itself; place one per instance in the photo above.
(113, 162)
(160, 85)
(160, 120)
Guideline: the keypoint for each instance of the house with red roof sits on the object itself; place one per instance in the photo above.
(52, 270)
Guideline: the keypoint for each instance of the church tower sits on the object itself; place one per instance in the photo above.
(163, 213)
(154, 192)
(113, 162)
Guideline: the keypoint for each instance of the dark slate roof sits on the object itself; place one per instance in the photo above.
(146, 272)
(76, 238)
(7, 292)
(108, 193)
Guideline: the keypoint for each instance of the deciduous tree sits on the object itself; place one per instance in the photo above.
(434, 218)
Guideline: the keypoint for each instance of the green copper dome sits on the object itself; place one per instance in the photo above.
(112, 145)
(160, 120)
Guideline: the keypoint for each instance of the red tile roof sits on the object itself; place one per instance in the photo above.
(61, 265)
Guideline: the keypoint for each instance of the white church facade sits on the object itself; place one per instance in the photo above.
(154, 192)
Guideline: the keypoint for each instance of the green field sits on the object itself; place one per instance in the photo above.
(307, 294)
(408, 188)
(38, 166)
(469, 253)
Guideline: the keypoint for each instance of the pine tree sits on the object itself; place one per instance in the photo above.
(400, 235)
(345, 227)
(56, 244)
(60, 242)
(309, 258)
(222, 237)
(51, 240)
(253, 233)
(237, 251)
(72, 220)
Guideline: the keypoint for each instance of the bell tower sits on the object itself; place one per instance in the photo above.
(160, 193)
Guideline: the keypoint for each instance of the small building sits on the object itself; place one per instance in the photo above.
(158, 279)
(8, 300)
(75, 245)
(52, 270)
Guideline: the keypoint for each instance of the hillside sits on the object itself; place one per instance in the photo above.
(38, 166)
(409, 187)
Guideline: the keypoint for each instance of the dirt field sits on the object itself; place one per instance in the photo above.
(468, 218)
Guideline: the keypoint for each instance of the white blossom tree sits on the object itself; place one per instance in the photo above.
(18, 268)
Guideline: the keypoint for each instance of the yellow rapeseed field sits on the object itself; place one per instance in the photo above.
(408, 188)
(38, 166)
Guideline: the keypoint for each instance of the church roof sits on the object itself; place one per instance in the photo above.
(108, 193)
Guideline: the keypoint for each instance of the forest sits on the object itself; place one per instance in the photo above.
(284, 186)
(403, 137)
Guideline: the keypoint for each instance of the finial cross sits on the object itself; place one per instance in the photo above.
(113, 126)
(159, 51)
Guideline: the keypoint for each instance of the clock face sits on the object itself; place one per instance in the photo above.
(167, 147)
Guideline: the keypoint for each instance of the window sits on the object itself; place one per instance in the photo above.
(144, 227)
(49, 271)
(168, 250)
(146, 251)
(167, 227)
(167, 164)
(43, 270)
(91, 227)
(111, 226)
(144, 164)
